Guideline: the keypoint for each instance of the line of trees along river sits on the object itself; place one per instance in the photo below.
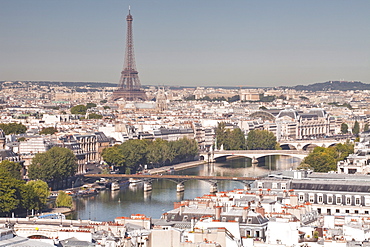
(133, 200)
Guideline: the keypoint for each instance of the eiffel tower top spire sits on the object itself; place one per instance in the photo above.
(129, 87)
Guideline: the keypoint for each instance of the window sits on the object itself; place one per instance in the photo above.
(337, 211)
(339, 199)
(367, 200)
(274, 185)
(260, 185)
(366, 212)
(330, 199)
(357, 200)
(319, 199)
(356, 211)
(312, 198)
(347, 211)
(348, 200)
(301, 197)
(283, 186)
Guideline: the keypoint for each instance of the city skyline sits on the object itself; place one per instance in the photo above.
(207, 43)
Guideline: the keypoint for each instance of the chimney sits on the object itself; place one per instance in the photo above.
(245, 214)
(218, 210)
(261, 211)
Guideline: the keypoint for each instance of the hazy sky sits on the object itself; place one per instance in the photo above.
(187, 42)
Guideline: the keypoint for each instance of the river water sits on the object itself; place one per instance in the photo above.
(107, 205)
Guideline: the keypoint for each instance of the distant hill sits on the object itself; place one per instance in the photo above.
(333, 85)
(65, 84)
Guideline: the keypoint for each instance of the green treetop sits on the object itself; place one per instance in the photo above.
(344, 128)
(55, 164)
(79, 109)
(356, 128)
(261, 140)
(13, 128)
(48, 131)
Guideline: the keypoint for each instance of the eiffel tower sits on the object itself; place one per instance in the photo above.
(129, 87)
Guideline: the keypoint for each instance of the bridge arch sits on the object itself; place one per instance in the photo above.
(257, 156)
(288, 146)
(264, 115)
(332, 144)
(38, 236)
(309, 146)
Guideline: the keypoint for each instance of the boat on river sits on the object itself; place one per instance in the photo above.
(134, 181)
(114, 186)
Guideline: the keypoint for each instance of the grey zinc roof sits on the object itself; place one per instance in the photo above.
(288, 112)
(333, 185)
(74, 242)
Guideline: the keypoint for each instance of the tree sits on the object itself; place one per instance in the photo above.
(132, 155)
(10, 188)
(320, 160)
(326, 159)
(366, 127)
(21, 139)
(234, 98)
(304, 98)
(13, 168)
(135, 153)
(113, 156)
(184, 149)
(103, 101)
(344, 128)
(55, 164)
(90, 105)
(263, 108)
(221, 134)
(237, 140)
(13, 128)
(356, 128)
(48, 131)
(95, 116)
(79, 109)
(261, 140)
(106, 107)
(159, 152)
(64, 200)
(35, 195)
(230, 139)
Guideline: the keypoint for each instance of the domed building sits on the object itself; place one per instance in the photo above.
(298, 125)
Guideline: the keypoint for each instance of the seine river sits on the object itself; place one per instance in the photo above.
(108, 205)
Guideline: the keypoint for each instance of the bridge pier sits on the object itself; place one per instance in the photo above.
(180, 187)
(213, 188)
(254, 162)
(147, 186)
(180, 196)
(147, 195)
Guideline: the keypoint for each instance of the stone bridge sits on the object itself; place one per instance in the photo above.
(252, 154)
(308, 145)
(59, 229)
